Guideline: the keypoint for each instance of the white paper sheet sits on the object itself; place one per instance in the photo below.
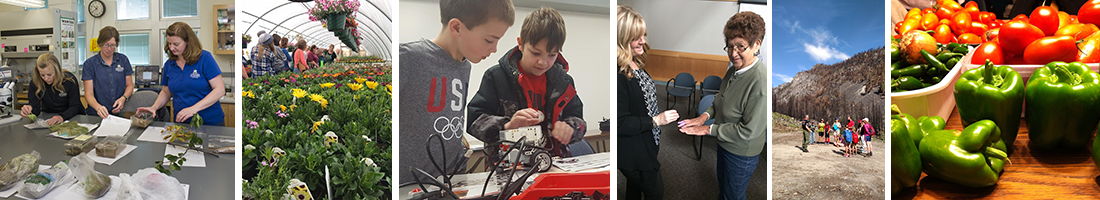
(153, 134)
(194, 158)
(109, 161)
(19, 184)
(591, 161)
(113, 125)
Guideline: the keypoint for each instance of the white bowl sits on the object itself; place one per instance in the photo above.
(935, 100)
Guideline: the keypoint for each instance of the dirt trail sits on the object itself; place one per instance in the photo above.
(824, 173)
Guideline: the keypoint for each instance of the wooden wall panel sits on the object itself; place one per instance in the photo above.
(664, 65)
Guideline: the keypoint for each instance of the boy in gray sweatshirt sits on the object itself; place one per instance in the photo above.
(434, 76)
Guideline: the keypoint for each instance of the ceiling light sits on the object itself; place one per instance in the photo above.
(25, 3)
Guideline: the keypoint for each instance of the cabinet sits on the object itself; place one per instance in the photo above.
(224, 43)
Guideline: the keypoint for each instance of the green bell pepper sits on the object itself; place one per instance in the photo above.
(905, 162)
(918, 127)
(994, 93)
(972, 157)
(1062, 100)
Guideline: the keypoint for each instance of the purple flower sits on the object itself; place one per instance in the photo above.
(338, 85)
(252, 124)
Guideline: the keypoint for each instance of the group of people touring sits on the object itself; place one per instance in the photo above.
(852, 138)
(273, 54)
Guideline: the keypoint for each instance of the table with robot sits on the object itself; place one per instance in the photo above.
(522, 169)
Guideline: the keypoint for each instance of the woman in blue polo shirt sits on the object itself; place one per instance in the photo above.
(108, 77)
(191, 79)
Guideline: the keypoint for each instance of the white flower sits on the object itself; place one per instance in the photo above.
(249, 147)
(325, 118)
(268, 131)
(368, 162)
(367, 138)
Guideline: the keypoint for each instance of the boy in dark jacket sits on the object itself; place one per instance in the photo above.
(530, 87)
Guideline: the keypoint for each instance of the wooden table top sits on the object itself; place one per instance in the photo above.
(1032, 175)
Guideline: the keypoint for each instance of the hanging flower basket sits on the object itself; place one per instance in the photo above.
(336, 21)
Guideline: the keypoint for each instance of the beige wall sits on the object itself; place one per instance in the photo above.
(204, 24)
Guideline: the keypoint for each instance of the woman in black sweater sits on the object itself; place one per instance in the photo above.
(639, 119)
(53, 90)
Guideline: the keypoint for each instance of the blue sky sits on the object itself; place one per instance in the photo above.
(809, 32)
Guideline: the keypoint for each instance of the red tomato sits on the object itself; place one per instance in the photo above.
(1089, 50)
(951, 5)
(960, 23)
(1018, 35)
(897, 27)
(1020, 17)
(969, 38)
(928, 10)
(1089, 13)
(972, 8)
(1046, 18)
(996, 23)
(944, 13)
(977, 27)
(986, 17)
(992, 34)
(929, 21)
(988, 50)
(943, 34)
(1078, 31)
(1050, 49)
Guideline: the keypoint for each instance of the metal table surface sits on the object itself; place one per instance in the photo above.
(215, 181)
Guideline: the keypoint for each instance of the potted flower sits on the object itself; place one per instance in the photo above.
(333, 12)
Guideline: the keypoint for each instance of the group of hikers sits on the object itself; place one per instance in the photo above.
(853, 139)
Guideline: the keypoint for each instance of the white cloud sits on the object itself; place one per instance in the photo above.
(824, 53)
(783, 77)
(820, 45)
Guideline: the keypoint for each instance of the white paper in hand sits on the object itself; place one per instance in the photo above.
(113, 125)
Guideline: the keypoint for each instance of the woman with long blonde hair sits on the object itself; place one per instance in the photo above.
(639, 119)
(53, 90)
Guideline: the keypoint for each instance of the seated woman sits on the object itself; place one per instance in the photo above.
(191, 79)
(108, 77)
(53, 90)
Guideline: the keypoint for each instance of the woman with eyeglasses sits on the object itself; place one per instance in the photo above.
(740, 109)
(108, 77)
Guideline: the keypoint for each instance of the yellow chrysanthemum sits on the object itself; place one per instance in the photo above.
(299, 92)
(292, 107)
(327, 85)
(248, 94)
(355, 86)
(372, 85)
(282, 108)
(360, 80)
(316, 97)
